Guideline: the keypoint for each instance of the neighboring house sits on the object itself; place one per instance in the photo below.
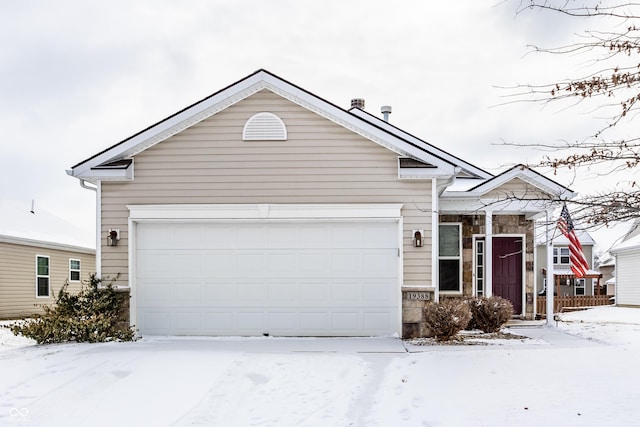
(38, 253)
(565, 283)
(607, 267)
(627, 254)
(265, 209)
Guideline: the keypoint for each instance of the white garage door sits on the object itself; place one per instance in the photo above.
(278, 278)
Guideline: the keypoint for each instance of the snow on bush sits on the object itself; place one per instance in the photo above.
(489, 314)
(447, 318)
(91, 315)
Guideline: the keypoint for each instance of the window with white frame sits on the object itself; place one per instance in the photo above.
(561, 256)
(74, 270)
(42, 276)
(480, 259)
(450, 257)
(580, 286)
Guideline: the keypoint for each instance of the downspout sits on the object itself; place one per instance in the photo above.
(97, 189)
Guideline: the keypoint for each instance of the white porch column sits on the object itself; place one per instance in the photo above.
(488, 249)
(435, 240)
(550, 283)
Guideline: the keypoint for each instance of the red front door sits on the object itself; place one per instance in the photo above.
(507, 270)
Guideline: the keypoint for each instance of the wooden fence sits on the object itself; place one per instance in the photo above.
(566, 303)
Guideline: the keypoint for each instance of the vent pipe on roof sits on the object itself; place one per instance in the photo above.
(385, 110)
(357, 103)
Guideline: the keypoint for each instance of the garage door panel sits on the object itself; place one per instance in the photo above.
(218, 264)
(284, 292)
(186, 264)
(219, 236)
(222, 293)
(218, 322)
(250, 292)
(154, 291)
(381, 262)
(249, 263)
(313, 263)
(287, 278)
(153, 263)
(282, 263)
(251, 322)
(188, 292)
(250, 236)
(315, 291)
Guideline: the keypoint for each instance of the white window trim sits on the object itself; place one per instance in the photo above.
(459, 258)
(48, 276)
(79, 269)
(476, 240)
(557, 255)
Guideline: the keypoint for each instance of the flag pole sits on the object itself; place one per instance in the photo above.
(550, 281)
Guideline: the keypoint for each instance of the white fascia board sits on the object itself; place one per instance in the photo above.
(424, 173)
(94, 175)
(264, 211)
(526, 175)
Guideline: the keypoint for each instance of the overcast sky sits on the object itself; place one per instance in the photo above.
(78, 76)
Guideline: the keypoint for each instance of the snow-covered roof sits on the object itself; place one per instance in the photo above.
(18, 224)
(632, 243)
(560, 240)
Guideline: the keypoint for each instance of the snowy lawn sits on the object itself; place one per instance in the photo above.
(582, 373)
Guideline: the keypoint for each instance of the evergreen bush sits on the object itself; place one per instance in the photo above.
(91, 315)
(489, 314)
(446, 318)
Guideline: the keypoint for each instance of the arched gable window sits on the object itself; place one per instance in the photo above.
(264, 127)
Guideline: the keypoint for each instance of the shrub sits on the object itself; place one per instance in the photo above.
(91, 315)
(446, 318)
(489, 314)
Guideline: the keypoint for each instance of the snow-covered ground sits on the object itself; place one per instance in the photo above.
(582, 373)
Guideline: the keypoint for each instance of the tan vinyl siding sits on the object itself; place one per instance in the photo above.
(321, 162)
(18, 277)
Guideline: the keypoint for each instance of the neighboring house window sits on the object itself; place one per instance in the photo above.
(450, 257)
(42, 276)
(74, 270)
(580, 285)
(561, 256)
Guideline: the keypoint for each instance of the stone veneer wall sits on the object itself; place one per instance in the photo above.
(412, 309)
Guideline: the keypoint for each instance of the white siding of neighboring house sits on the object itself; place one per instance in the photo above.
(321, 162)
(628, 277)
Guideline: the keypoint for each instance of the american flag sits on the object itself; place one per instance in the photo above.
(579, 264)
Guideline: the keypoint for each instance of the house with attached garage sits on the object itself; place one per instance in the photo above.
(266, 209)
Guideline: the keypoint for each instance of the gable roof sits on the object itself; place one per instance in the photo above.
(519, 171)
(99, 166)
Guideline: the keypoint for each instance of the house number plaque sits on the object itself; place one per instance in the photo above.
(420, 296)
